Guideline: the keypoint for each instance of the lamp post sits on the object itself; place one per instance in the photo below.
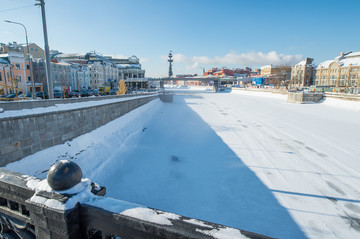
(47, 51)
(28, 56)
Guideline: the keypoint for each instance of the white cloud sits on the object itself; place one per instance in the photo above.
(143, 59)
(180, 58)
(248, 59)
(193, 64)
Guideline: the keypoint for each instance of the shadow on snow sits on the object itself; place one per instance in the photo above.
(182, 166)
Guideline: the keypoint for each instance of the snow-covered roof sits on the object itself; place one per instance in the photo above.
(127, 66)
(351, 61)
(325, 64)
(65, 55)
(301, 63)
(354, 54)
(62, 63)
(344, 60)
(4, 55)
(266, 67)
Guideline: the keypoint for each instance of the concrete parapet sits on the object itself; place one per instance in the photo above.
(166, 97)
(304, 97)
(30, 104)
(340, 96)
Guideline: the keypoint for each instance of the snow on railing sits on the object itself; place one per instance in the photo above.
(31, 208)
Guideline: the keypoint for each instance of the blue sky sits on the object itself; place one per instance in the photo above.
(201, 33)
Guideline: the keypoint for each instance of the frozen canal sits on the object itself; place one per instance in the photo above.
(242, 159)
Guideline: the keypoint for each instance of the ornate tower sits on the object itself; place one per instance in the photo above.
(170, 64)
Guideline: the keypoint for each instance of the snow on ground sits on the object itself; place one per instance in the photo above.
(61, 107)
(249, 160)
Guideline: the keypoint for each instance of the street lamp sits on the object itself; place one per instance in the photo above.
(28, 54)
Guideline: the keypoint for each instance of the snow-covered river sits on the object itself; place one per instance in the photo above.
(243, 159)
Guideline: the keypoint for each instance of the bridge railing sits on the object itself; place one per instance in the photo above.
(26, 213)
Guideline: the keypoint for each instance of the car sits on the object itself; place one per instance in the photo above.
(12, 95)
(113, 91)
(25, 96)
(96, 92)
(28, 96)
(84, 93)
(74, 93)
(58, 94)
(42, 95)
(90, 92)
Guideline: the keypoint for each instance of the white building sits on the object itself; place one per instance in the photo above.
(98, 71)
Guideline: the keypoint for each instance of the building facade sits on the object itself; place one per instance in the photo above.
(95, 70)
(342, 72)
(15, 73)
(221, 73)
(277, 76)
(34, 50)
(301, 74)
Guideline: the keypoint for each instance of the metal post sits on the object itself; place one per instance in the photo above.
(47, 53)
(28, 56)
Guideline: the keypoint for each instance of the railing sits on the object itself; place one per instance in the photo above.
(15, 220)
(22, 216)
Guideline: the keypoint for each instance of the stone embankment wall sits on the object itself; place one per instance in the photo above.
(25, 135)
(30, 104)
(304, 97)
(268, 90)
(340, 96)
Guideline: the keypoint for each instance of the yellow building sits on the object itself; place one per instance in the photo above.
(342, 72)
(276, 75)
(34, 50)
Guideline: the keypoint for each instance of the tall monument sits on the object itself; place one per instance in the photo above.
(170, 64)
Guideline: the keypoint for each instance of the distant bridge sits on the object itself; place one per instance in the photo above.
(216, 86)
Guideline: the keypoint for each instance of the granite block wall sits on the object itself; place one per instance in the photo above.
(25, 135)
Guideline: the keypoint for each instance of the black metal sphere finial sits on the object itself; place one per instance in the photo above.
(63, 175)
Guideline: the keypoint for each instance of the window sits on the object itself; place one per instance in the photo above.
(18, 78)
(27, 67)
(342, 82)
(0, 78)
(333, 80)
(17, 66)
(29, 78)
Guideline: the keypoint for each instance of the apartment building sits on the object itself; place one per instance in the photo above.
(342, 72)
(301, 73)
(15, 73)
(34, 50)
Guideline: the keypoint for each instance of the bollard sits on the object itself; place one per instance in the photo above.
(52, 222)
(64, 175)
